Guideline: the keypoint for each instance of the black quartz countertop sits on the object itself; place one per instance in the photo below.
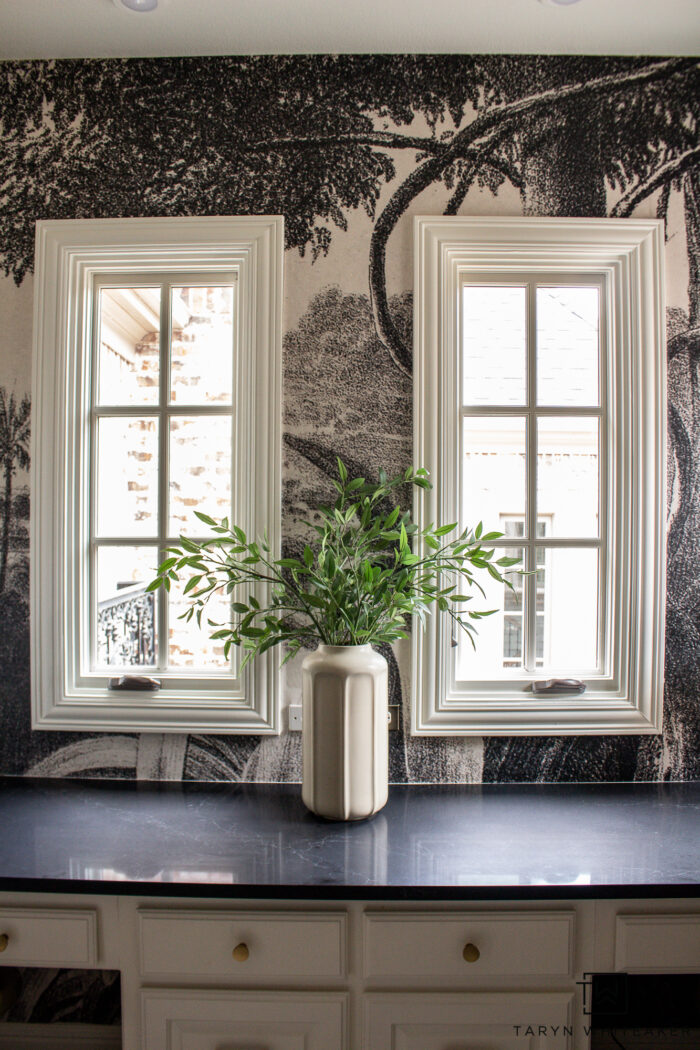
(430, 842)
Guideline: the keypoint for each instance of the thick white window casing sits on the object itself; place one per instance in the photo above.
(156, 392)
(540, 408)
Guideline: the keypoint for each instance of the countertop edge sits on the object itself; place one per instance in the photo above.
(452, 894)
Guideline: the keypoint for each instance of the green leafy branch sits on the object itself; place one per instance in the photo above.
(368, 573)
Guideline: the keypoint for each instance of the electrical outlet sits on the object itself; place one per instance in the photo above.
(295, 718)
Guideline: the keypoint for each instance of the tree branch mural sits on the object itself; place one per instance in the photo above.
(317, 139)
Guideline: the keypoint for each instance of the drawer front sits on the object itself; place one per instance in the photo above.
(242, 944)
(467, 945)
(43, 937)
(657, 943)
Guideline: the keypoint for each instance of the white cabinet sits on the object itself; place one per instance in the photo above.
(286, 975)
(354, 977)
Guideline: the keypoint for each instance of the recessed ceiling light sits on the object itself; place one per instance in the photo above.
(558, 3)
(137, 5)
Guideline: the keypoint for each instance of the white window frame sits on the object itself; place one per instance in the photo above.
(627, 256)
(71, 257)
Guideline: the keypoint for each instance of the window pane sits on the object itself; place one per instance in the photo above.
(202, 345)
(493, 469)
(127, 476)
(567, 476)
(567, 346)
(189, 645)
(200, 471)
(500, 641)
(128, 362)
(126, 633)
(570, 617)
(493, 345)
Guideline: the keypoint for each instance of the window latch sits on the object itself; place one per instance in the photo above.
(558, 685)
(134, 681)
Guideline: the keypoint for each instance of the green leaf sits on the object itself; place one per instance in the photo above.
(392, 518)
(204, 517)
(342, 470)
(191, 584)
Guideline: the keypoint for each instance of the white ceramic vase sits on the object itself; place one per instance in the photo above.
(345, 731)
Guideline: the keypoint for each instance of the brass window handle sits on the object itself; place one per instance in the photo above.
(470, 953)
(4, 941)
(241, 952)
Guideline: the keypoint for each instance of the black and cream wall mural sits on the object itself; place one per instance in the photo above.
(348, 149)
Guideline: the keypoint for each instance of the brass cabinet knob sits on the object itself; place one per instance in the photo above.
(241, 952)
(470, 953)
(4, 941)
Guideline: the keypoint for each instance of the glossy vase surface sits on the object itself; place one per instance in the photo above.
(345, 691)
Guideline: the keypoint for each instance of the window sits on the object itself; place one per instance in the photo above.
(540, 410)
(157, 378)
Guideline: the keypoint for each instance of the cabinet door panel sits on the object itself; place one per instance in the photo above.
(488, 1021)
(219, 1020)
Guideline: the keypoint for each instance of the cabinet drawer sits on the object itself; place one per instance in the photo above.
(466, 945)
(242, 944)
(657, 943)
(43, 937)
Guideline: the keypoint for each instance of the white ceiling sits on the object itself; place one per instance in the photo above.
(96, 28)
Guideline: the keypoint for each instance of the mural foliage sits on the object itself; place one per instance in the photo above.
(320, 140)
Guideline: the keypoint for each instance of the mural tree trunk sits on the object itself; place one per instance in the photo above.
(14, 452)
(561, 168)
(691, 197)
